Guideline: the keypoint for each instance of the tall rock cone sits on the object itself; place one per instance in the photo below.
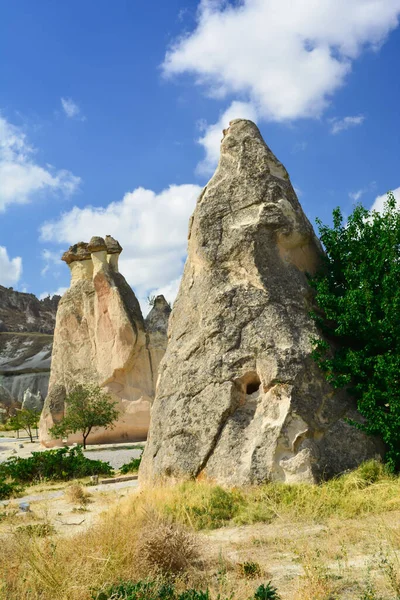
(239, 399)
(100, 338)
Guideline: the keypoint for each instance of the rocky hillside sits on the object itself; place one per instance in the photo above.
(24, 312)
(26, 337)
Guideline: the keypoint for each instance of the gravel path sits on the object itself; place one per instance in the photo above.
(116, 458)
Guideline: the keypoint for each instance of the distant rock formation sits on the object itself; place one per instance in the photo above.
(20, 312)
(239, 398)
(26, 328)
(101, 338)
(32, 401)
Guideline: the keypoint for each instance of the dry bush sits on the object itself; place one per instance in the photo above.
(76, 494)
(164, 547)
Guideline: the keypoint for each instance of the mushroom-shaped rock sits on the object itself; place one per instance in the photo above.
(76, 252)
(113, 246)
(101, 338)
(97, 244)
(239, 398)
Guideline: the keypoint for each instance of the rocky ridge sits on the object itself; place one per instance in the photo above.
(26, 337)
(239, 398)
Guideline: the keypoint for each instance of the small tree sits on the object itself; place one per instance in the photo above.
(87, 407)
(25, 419)
(358, 295)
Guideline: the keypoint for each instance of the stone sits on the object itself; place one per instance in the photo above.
(100, 338)
(97, 244)
(32, 401)
(77, 252)
(156, 324)
(239, 398)
(113, 246)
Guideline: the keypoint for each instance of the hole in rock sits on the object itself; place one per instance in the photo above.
(253, 385)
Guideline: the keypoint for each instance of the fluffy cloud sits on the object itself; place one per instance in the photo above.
(20, 176)
(71, 109)
(10, 269)
(152, 229)
(287, 58)
(380, 200)
(338, 125)
(212, 134)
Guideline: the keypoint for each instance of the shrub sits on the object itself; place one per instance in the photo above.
(266, 592)
(59, 464)
(9, 489)
(132, 466)
(76, 494)
(164, 547)
(249, 570)
(150, 590)
(36, 530)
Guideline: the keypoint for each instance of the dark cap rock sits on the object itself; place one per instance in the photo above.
(96, 244)
(76, 252)
(113, 246)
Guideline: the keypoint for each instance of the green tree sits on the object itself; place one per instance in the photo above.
(25, 419)
(87, 407)
(358, 300)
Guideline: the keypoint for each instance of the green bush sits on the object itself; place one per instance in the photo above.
(132, 466)
(8, 489)
(358, 311)
(60, 464)
(150, 590)
(266, 592)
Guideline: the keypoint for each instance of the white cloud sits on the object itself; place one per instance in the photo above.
(49, 258)
(60, 292)
(356, 195)
(20, 176)
(338, 125)
(380, 200)
(212, 134)
(152, 228)
(71, 109)
(287, 58)
(10, 269)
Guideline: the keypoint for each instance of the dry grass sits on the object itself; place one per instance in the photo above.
(76, 494)
(164, 547)
(337, 540)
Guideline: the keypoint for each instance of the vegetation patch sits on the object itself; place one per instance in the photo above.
(358, 298)
(36, 530)
(132, 466)
(60, 464)
(150, 590)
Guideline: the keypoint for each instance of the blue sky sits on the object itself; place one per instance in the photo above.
(111, 116)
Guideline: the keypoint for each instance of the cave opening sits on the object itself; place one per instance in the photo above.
(253, 385)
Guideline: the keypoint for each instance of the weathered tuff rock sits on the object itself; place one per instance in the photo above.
(26, 327)
(32, 401)
(20, 312)
(101, 338)
(25, 360)
(239, 398)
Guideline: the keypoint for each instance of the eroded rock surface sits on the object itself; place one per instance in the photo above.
(239, 398)
(26, 328)
(100, 338)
